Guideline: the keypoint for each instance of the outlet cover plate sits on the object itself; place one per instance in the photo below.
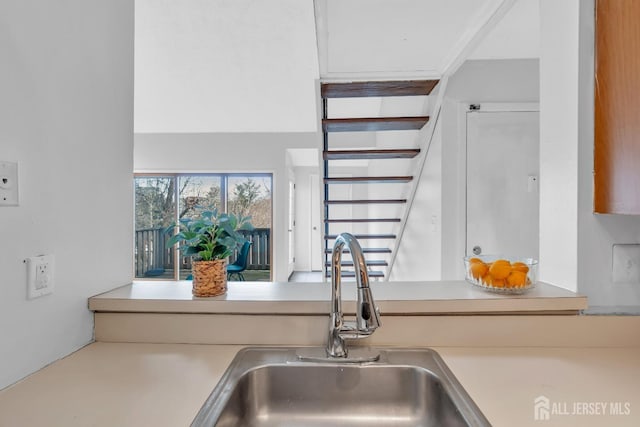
(626, 264)
(8, 184)
(40, 271)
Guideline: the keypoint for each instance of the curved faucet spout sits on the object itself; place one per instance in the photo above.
(367, 314)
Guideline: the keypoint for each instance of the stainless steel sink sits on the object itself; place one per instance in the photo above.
(275, 387)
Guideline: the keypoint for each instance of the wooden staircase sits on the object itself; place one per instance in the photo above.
(375, 256)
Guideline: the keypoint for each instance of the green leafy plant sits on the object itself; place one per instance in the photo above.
(212, 236)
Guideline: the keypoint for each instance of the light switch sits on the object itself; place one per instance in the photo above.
(532, 183)
(626, 264)
(8, 184)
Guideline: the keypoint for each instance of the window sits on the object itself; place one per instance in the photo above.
(156, 209)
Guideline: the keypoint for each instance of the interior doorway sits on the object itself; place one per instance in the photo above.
(304, 170)
(502, 197)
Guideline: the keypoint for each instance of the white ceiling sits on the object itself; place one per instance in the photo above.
(402, 36)
(516, 36)
(369, 38)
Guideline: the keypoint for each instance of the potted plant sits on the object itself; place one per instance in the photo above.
(210, 240)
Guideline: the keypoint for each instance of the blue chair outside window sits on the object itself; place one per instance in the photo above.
(240, 264)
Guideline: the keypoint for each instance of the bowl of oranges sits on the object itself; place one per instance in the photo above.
(500, 274)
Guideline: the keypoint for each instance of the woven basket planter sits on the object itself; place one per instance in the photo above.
(209, 278)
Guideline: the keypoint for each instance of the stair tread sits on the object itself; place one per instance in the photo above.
(340, 220)
(368, 179)
(378, 88)
(372, 273)
(394, 153)
(372, 262)
(372, 124)
(366, 251)
(363, 201)
(364, 236)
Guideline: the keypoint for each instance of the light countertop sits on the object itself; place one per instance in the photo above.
(110, 384)
(313, 298)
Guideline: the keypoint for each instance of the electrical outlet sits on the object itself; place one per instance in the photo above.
(39, 276)
(626, 264)
(8, 184)
(42, 275)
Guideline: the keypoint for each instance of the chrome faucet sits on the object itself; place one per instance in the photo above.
(367, 314)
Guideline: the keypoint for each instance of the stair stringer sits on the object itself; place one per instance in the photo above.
(426, 137)
(384, 140)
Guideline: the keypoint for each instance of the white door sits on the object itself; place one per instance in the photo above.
(502, 183)
(316, 245)
(292, 227)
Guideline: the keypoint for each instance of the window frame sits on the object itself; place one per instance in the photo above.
(224, 188)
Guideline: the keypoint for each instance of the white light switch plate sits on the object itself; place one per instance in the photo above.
(39, 276)
(8, 184)
(626, 264)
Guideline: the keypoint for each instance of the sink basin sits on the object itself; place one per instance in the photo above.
(274, 387)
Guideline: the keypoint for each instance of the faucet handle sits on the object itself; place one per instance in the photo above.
(368, 315)
(366, 311)
(374, 322)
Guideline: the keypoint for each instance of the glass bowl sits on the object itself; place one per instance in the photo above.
(500, 274)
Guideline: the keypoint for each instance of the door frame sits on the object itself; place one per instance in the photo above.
(291, 227)
(462, 110)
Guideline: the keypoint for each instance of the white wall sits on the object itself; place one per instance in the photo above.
(396, 107)
(401, 37)
(419, 255)
(499, 80)
(225, 66)
(477, 81)
(433, 243)
(66, 116)
(597, 233)
(454, 217)
(230, 152)
(575, 244)
(559, 105)
(517, 35)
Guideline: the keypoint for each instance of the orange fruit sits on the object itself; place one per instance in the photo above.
(478, 270)
(474, 260)
(500, 269)
(517, 279)
(520, 266)
(498, 283)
